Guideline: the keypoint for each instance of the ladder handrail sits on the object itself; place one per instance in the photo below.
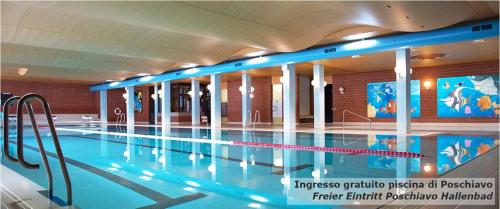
(257, 113)
(25, 101)
(5, 109)
(360, 116)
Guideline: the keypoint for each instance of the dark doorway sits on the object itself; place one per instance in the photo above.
(328, 104)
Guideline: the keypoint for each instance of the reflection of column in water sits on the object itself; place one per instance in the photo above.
(244, 153)
(319, 157)
(104, 142)
(215, 150)
(402, 163)
(165, 153)
(195, 149)
(130, 149)
(289, 159)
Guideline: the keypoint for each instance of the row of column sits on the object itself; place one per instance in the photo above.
(403, 79)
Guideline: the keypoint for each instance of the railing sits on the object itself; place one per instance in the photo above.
(257, 113)
(360, 116)
(25, 102)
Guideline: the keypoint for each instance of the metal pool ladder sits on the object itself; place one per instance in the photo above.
(360, 116)
(24, 101)
(256, 115)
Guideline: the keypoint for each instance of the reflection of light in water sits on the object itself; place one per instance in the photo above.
(201, 156)
(191, 156)
(278, 162)
(258, 198)
(145, 178)
(254, 205)
(125, 153)
(316, 173)
(192, 183)
(243, 164)
(161, 159)
(115, 165)
(147, 173)
(427, 167)
(211, 168)
(112, 169)
(285, 180)
(189, 189)
(154, 151)
(252, 159)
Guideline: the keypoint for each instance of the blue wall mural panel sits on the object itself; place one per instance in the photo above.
(453, 151)
(389, 143)
(382, 99)
(468, 96)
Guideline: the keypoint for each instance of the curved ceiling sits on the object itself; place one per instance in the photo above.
(95, 41)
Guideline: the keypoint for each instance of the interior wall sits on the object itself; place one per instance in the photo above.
(261, 102)
(63, 98)
(305, 95)
(355, 98)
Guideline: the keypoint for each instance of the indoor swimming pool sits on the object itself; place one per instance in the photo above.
(203, 168)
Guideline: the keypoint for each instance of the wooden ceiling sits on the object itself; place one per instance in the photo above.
(94, 41)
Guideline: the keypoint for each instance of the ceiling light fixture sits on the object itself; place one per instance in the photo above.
(188, 65)
(430, 56)
(110, 80)
(363, 44)
(143, 74)
(22, 71)
(355, 56)
(359, 36)
(254, 54)
(478, 41)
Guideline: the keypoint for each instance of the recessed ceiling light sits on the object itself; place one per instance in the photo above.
(254, 54)
(142, 74)
(356, 56)
(478, 41)
(22, 71)
(359, 36)
(109, 80)
(429, 56)
(188, 65)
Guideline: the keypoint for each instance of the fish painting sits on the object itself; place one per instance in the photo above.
(482, 149)
(484, 103)
(455, 99)
(447, 85)
(391, 106)
(455, 152)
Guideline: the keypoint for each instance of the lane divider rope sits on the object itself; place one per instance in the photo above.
(259, 144)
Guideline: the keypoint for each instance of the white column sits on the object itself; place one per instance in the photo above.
(215, 101)
(246, 101)
(103, 98)
(319, 96)
(195, 102)
(289, 94)
(130, 107)
(155, 104)
(403, 89)
(165, 105)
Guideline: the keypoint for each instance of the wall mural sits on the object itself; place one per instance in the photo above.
(453, 151)
(389, 143)
(382, 99)
(138, 101)
(468, 96)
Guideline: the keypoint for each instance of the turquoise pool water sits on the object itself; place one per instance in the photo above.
(109, 171)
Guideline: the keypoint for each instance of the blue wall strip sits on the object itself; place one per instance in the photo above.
(458, 33)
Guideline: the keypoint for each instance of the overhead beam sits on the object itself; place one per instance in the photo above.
(464, 32)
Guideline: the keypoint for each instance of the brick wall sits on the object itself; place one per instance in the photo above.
(355, 98)
(116, 100)
(262, 100)
(63, 98)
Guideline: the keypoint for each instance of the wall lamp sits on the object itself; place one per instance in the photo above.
(342, 90)
(427, 85)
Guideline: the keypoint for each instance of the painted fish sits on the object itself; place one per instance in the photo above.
(455, 99)
(447, 85)
(485, 86)
(484, 103)
(455, 152)
(482, 149)
(391, 106)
